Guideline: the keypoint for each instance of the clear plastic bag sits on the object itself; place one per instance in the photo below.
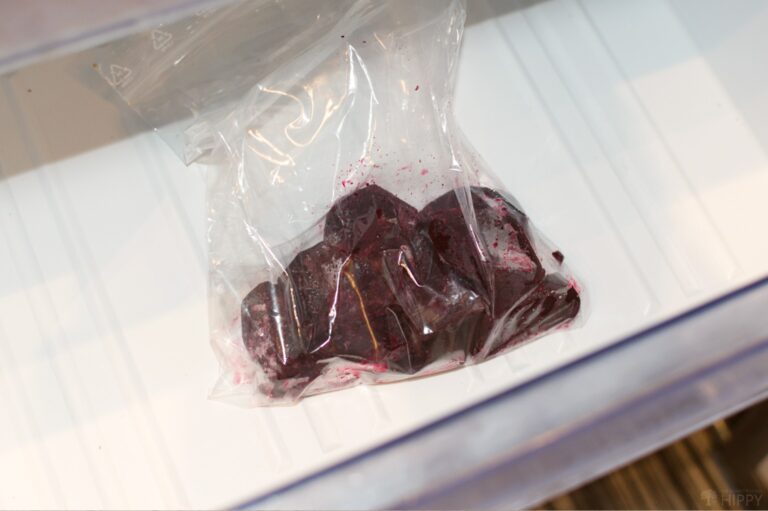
(354, 236)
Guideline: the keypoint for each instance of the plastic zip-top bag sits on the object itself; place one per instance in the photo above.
(354, 236)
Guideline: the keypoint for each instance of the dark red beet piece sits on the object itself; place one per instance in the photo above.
(369, 219)
(271, 337)
(503, 238)
(407, 295)
(399, 289)
(376, 229)
(551, 303)
(312, 282)
(454, 243)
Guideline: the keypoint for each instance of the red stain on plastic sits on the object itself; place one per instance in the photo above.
(377, 367)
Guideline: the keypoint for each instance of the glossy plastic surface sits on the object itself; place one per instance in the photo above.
(36, 29)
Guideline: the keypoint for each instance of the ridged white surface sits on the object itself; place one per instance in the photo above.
(634, 134)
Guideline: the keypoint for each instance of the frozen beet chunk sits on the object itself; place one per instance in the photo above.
(504, 228)
(311, 279)
(524, 301)
(374, 325)
(367, 219)
(413, 350)
(271, 337)
(269, 331)
(512, 284)
(503, 242)
(360, 325)
(554, 302)
(454, 244)
(404, 353)
(527, 301)
(432, 303)
(432, 296)
(341, 302)
(404, 295)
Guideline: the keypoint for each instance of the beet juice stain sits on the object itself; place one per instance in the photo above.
(393, 289)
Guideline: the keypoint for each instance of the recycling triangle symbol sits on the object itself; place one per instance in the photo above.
(161, 39)
(119, 74)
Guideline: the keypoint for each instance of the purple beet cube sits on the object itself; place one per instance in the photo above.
(271, 337)
(312, 280)
(553, 302)
(432, 296)
(460, 250)
(505, 250)
(405, 296)
(502, 242)
(360, 326)
(369, 219)
(517, 267)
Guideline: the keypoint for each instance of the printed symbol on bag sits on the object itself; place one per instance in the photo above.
(204, 13)
(161, 40)
(119, 74)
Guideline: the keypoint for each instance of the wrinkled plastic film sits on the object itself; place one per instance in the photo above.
(353, 236)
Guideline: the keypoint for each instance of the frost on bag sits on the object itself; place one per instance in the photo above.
(353, 234)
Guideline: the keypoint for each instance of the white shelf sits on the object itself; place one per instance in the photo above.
(628, 130)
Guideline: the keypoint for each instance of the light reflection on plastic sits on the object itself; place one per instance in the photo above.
(302, 119)
(376, 36)
(286, 160)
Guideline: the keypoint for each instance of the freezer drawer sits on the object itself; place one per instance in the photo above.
(634, 134)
